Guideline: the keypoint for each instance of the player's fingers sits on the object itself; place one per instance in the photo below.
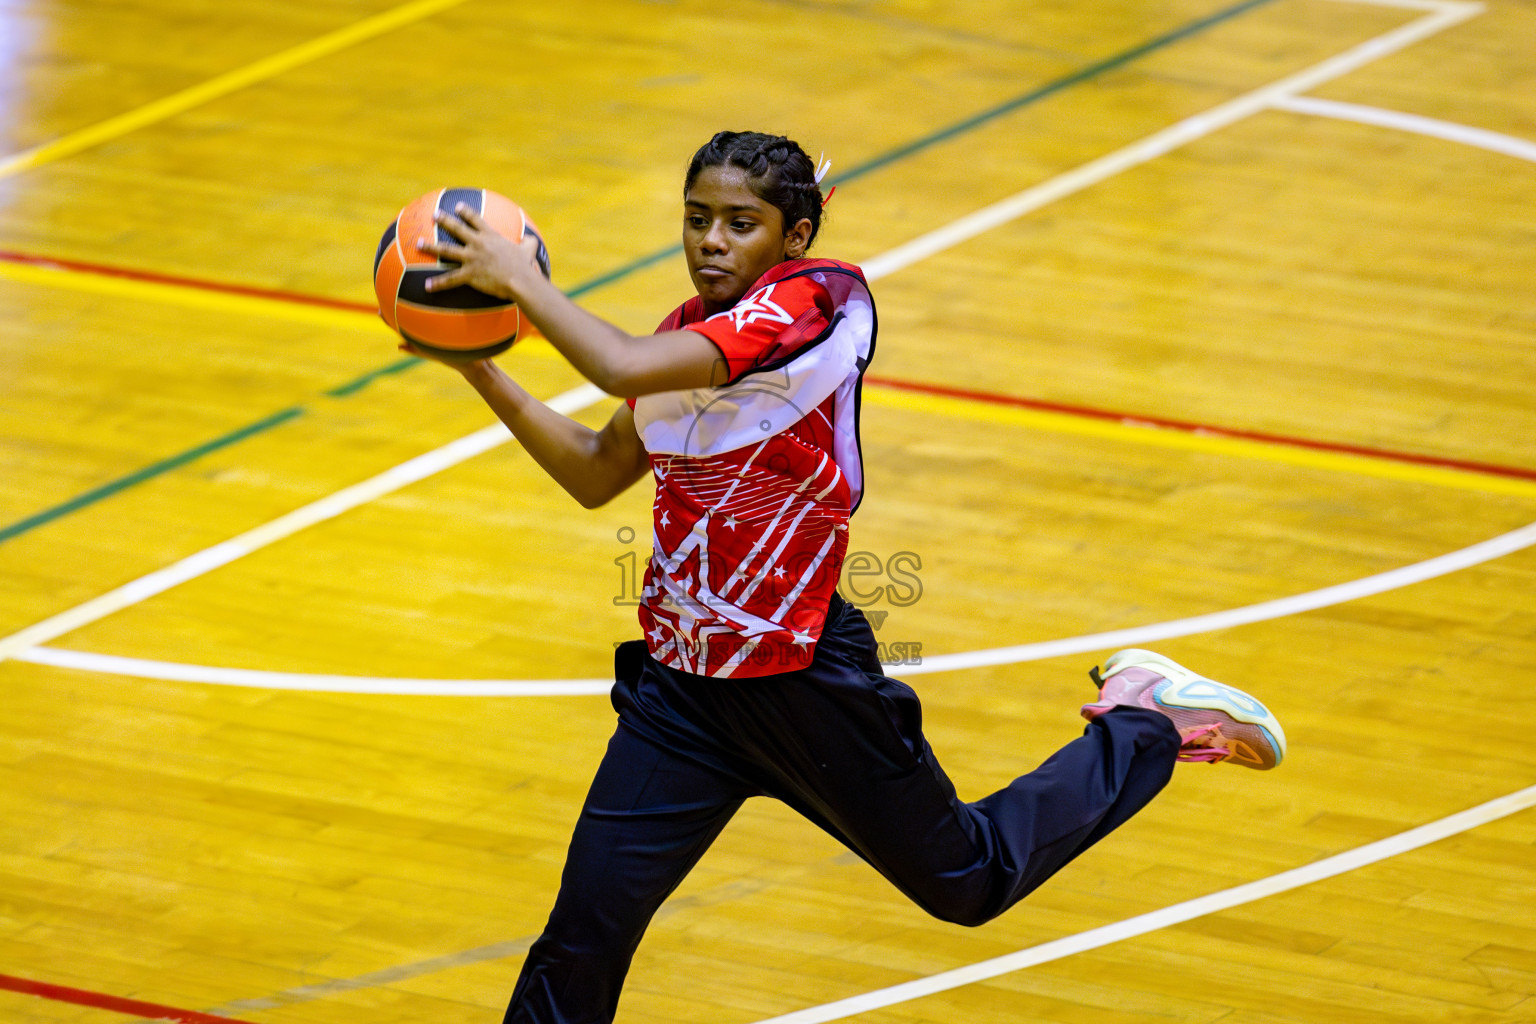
(452, 224)
(469, 216)
(448, 279)
(442, 250)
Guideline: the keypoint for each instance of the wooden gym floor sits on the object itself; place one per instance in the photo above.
(1284, 350)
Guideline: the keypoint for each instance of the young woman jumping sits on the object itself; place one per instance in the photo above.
(754, 678)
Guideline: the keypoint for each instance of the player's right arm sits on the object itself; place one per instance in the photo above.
(608, 356)
(594, 466)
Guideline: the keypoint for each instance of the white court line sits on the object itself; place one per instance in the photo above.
(1134, 636)
(1450, 131)
(332, 505)
(179, 672)
(1497, 547)
(1329, 867)
(1443, 14)
(139, 668)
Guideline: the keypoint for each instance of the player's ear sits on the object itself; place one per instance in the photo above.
(798, 239)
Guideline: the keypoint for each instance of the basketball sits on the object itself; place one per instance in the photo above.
(462, 323)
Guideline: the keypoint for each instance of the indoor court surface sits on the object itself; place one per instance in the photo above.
(1204, 327)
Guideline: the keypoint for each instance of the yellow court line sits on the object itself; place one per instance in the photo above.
(192, 298)
(1066, 423)
(188, 297)
(943, 405)
(223, 85)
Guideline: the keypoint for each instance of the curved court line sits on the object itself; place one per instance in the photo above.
(1450, 131)
(1394, 579)
(171, 671)
(1226, 899)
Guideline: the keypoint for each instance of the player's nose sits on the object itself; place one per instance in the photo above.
(715, 239)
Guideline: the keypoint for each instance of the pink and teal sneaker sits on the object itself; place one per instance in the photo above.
(1217, 722)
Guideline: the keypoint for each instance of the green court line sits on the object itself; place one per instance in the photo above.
(352, 387)
(148, 472)
(975, 121)
(1065, 82)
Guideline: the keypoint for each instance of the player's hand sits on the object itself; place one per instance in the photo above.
(488, 261)
(465, 366)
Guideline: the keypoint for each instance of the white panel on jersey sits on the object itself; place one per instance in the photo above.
(711, 421)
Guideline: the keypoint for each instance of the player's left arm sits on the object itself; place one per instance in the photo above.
(594, 466)
(608, 356)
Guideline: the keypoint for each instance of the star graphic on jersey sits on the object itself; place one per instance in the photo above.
(801, 639)
(757, 306)
(664, 520)
(778, 572)
(656, 634)
(730, 521)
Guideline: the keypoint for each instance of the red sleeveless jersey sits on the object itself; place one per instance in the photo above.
(756, 479)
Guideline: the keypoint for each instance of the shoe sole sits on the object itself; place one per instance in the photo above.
(1185, 689)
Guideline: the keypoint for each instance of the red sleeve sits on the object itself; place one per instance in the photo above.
(688, 311)
(769, 324)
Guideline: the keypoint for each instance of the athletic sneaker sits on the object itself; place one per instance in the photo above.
(1217, 722)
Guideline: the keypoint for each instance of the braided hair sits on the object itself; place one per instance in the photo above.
(778, 171)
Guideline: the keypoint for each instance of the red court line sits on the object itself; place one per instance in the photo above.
(117, 1004)
(150, 277)
(991, 398)
(1205, 429)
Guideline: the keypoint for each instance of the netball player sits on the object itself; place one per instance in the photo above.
(754, 678)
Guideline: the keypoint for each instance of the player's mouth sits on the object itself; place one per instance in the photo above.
(712, 274)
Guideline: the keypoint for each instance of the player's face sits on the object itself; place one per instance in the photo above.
(731, 237)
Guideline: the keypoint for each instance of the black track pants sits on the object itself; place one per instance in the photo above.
(843, 745)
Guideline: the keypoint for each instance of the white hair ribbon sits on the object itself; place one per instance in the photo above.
(825, 165)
